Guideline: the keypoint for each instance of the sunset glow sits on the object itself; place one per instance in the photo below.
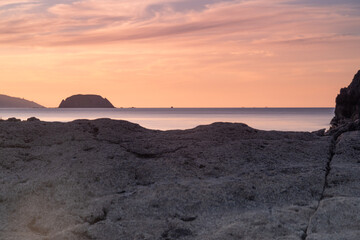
(181, 53)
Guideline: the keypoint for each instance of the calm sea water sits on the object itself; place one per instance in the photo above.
(285, 119)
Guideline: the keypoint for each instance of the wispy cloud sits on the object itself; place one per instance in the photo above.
(97, 22)
(16, 2)
(181, 46)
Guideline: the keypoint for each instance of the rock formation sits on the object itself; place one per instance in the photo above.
(86, 101)
(13, 102)
(107, 179)
(348, 103)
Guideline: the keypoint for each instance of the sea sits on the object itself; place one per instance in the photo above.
(283, 119)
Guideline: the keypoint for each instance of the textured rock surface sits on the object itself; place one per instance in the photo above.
(85, 101)
(108, 179)
(338, 214)
(348, 103)
(13, 102)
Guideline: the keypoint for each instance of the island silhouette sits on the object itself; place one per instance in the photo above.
(86, 101)
(14, 102)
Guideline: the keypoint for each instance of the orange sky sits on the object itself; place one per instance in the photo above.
(181, 53)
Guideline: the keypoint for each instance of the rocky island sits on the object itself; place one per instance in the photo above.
(108, 179)
(14, 102)
(85, 101)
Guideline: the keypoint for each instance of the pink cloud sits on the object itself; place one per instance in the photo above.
(90, 22)
(14, 2)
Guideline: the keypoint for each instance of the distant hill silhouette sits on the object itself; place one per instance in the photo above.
(85, 101)
(14, 102)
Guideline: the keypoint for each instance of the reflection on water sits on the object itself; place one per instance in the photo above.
(285, 119)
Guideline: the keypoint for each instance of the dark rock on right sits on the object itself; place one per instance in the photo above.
(347, 108)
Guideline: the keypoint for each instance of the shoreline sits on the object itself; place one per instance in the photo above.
(169, 119)
(34, 119)
(100, 179)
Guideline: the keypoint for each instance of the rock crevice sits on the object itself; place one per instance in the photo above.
(332, 149)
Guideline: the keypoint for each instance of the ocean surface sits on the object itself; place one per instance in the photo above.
(284, 119)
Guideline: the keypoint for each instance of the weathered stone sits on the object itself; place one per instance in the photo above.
(221, 181)
(336, 218)
(337, 215)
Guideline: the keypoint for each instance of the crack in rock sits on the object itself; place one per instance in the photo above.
(332, 149)
(152, 155)
(143, 155)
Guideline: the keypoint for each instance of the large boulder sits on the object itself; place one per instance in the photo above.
(85, 101)
(109, 180)
(348, 103)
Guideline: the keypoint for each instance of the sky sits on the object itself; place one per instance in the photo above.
(181, 53)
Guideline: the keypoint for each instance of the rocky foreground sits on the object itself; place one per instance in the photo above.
(108, 179)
